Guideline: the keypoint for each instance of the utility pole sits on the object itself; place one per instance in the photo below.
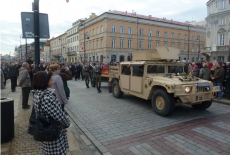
(26, 50)
(36, 35)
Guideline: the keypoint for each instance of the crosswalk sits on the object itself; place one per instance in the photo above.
(187, 145)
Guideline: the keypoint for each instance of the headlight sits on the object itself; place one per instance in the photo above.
(207, 88)
(187, 89)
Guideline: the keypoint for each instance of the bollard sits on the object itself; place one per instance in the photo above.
(7, 119)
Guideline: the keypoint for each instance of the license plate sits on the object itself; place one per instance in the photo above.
(198, 98)
(202, 85)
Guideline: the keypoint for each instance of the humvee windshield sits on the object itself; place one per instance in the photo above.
(175, 69)
(154, 69)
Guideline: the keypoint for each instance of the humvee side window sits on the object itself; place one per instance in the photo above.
(126, 70)
(175, 69)
(153, 69)
(138, 70)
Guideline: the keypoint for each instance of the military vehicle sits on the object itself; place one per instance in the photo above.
(154, 76)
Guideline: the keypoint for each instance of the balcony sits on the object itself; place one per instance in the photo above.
(222, 48)
(56, 55)
(71, 53)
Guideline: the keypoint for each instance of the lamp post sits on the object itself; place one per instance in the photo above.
(198, 55)
(83, 24)
(61, 47)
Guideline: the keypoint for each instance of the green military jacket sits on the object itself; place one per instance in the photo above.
(85, 70)
(96, 71)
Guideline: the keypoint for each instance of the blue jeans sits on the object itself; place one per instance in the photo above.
(219, 94)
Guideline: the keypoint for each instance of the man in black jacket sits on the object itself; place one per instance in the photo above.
(12, 74)
(218, 78)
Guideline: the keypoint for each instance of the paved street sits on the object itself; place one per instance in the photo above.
(129, 125)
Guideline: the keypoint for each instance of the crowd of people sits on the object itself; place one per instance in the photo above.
(217, 72)
(50, 88)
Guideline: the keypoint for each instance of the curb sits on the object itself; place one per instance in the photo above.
(223, 101)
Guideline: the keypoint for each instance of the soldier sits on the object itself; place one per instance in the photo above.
(97, 76)
(85, 73)
(91, 67)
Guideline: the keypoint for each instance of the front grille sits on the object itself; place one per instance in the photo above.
(202, 89)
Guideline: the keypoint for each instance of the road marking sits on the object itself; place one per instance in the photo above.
(189, 145)
(213, 134)
(222, 125)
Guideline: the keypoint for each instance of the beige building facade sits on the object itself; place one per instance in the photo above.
(58, 48)
(114, 35)
(218, 30)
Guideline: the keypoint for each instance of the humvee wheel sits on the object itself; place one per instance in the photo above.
(116, 90)
(203, 106)
(163, 103)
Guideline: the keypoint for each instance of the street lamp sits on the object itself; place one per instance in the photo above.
(61, 48)
(83, 24)
(198, 56)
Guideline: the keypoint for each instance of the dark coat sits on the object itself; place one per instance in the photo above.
(205, 73)
(219, 75)
(12, 71)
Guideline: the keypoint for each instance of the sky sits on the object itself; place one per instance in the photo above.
(62, 14)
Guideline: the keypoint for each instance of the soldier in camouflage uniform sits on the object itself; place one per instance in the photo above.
(85, 73)
(97, 76)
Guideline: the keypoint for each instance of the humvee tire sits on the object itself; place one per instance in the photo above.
(116, 90)
(163, 103)
(203, 106)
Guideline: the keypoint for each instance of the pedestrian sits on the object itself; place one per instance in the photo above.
(205, 73)
(12, 74)
(5, 72)
(24, 82)
(48, 105)
(97, 76)
(195, 71)
(66, 75)
(2, 80)
(218, 78)
(85, 73)
(29, 61)
(58, 85)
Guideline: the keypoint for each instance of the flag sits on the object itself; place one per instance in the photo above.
(68, 1)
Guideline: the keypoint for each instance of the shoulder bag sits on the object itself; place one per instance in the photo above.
(44, 130)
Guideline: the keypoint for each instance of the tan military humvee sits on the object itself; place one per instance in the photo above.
(151, 76)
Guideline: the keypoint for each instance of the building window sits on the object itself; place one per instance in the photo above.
(101, 29)
(157, 44)
(165, 45)
(165, 35)
(93, 32)
(122, 43)
(179, 46)
(222, 21)
(129, 30)
(141, 32)
(93, 45)
(172, 44)
(179, 37)
(150, 45)
(129, 44)
(97, 44)
(220, 58)
(158, 34)
(77, 38)
(113, 28)
(113, 43)
(121, 29)
(172, 35)
(222, 37)
(141, 45)
(77, 48)
(185, 37)
(185, 47)
(222, 4)
(101, 43)
(150, 33)
(193, 47)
